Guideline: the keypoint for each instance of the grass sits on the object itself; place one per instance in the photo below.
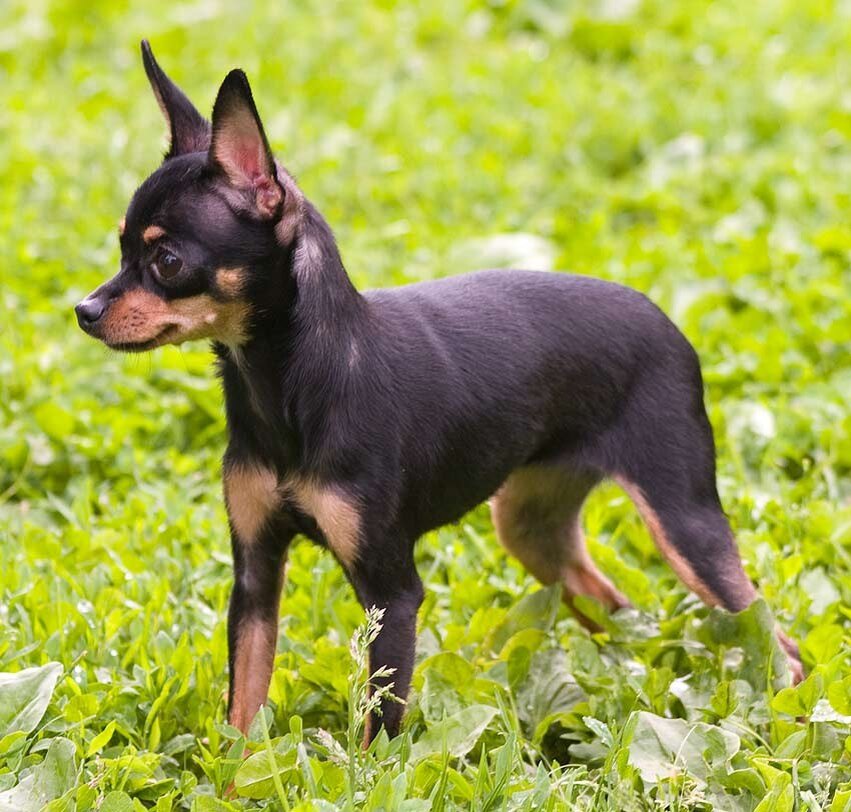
(699, 152)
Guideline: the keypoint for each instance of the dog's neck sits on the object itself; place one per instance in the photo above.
(280, 381)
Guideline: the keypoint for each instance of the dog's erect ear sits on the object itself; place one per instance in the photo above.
(239, 148)
(190, 131)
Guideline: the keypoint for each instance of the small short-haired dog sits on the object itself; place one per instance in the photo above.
(364, 419)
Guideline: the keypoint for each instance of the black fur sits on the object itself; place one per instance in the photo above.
(419, 402)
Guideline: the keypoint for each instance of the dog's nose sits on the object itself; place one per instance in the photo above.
(89, 311)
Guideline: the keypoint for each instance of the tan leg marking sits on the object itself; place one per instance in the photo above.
(536, 516)
(675, 558)
(251, 496)
(692, 580)
(140, 316)
(253, 666)
(367, 731)
(333, 510)
(152, 233)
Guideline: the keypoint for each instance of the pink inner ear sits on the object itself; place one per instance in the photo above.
(241, 153)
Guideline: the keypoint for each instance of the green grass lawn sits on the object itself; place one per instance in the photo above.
(697, 151)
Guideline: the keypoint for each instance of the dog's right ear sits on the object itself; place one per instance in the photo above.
(190, 131)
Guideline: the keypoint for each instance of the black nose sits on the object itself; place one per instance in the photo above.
(89, 311)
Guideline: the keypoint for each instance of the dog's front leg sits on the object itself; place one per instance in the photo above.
(259, 537)
(399, 592)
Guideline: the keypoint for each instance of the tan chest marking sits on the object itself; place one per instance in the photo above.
(333, 510)
(252, 496)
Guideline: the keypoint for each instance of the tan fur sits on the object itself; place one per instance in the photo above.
(677, 561)
(251, 496)
(152, 233)
(122, 226)
(536, 516)
(289, 224)
(231, 281)
(252, 670)
(139, 316)
(367, 731)
(691, 579)
(335, 513)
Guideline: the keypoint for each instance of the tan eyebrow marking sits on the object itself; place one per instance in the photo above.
(152, 233)
(122, 225)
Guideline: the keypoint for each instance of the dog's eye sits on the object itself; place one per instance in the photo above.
(167, 265)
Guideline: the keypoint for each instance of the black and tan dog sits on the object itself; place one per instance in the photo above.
(363, 420)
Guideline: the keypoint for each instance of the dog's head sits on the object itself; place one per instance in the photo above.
(201, 240)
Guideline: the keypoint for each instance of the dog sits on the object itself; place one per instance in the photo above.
(362, 420)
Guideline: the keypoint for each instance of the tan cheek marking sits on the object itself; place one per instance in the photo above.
(253, 666)
(152, 233)
(251, 495)
(204, 317)
(336, 515)
(122, 226)
(231, 281)
(677, 561)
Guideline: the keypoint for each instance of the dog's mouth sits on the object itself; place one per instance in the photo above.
(143, 346)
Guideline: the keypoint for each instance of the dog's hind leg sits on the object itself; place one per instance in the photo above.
(668, 470)
(536, 514)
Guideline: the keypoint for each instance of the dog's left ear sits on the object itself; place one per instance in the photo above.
(239, 148)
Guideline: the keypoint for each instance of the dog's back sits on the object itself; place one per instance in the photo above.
(498, 369)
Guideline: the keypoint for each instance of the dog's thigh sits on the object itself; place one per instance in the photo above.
(536, 514)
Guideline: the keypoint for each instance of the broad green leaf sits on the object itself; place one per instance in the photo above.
(663, 748)
(54, 776)
(780, 798)
(255, 778)
(839, 695)
(117, 802)
(799, 700)
(456, 735)
(537, 610)
(548, 691)
(751, 633)
(24, 697)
